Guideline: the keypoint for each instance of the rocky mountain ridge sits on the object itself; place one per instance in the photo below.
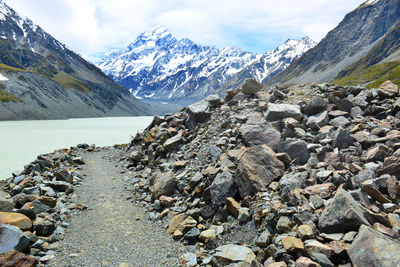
(359, 36)
(160, 67)
(44, 79)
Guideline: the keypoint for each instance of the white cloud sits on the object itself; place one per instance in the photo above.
(91, 27)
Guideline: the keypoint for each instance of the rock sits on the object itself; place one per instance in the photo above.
(222, 187)
(321, 259)
(292, 244)
(192, 235)
(317, 105)
(36, 206)
(173, 142)
(78, 160)
(259, 134)
(64, 176)
(284, 224)
(43, 227)
(187, 224)
(175, 223)
(318, 121)
(163, 184)
(277, 112)
(317, 247)
(342, 214)
(323, 190)
(340, 122)
(48, 201)
(208, 235)
(305, 232)
(17, 219)
(264, 239)
(371, 248)
(6, 205)
(12, 238)
(388, 90)
(166, 201)
(371, 189)
(189, 259)
(233, 206)
(378, 153)
(60, 186)
(228, 254)
(296, 149)
(16, 258)
(292, 181)
(342, 139)
(215, 152)
(306, 262)
(244, 215)
(251, 87)
(257, 168)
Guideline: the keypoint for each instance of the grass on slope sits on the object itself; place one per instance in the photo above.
(6, 96)
(373, 76)
(70, 82)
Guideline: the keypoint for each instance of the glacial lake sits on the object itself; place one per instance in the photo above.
(22, 141)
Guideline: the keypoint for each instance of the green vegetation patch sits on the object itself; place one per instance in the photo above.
(70, 82)
(7, 97)
(5, 68)
(372, 76)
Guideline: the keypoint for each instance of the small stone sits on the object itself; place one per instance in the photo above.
(207, 235)
(233, 206)
(16, 258)
(280, 111)
(342, 139)
(306, 262)
(292, 244)
(284, 224)
(388, 90)
(189, 259)
(378, 153)
(64, 176)
(264, 239)
(305, 232)
(162, 184)
(251, 86)
(244, 215)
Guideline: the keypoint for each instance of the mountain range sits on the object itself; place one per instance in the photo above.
(362, 49)
(41, 78)
(160, 67)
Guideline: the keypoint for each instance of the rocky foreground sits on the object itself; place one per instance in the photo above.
(285, 177)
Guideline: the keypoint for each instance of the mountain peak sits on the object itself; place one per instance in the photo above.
(155, 32)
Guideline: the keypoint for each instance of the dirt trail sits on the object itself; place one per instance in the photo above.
(113, 231)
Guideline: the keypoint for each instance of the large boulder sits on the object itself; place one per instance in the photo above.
(173, 142)
(296, 149)
(342, 214)
(259, 134)
(372, 248)
(251, 87)
(257, 168)
(228, 254)
(277, 112)
(12, 238)
(162, 184)
(222, 187)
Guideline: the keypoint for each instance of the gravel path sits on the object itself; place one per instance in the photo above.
(113, 231)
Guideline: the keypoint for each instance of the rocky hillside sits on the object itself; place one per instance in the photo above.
(272, 178)
(159, 67)
(347, 50)
(44, 79)
(276, 178)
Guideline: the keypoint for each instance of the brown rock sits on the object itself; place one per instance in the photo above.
(317, 247)
(384, 230)
(16, 219)
(377, 153)
(305, 231)
(258, 167)
(277, 264)
(323, 190)
(370, 188)
(292, 244)
(166, 201)
(64, 176)
(393, 187)
(49, 201)
(233, 206)
(388, 90)
(16, 259)
(175, 223)
(162, 184)
(187, 224)
(306, 262)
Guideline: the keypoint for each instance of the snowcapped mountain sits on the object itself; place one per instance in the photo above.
(160, 67)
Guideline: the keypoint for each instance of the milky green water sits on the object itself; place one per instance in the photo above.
(22, 141)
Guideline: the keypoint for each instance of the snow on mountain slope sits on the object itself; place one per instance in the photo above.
(160, 67)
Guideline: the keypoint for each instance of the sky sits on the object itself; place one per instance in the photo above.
(93, 27)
